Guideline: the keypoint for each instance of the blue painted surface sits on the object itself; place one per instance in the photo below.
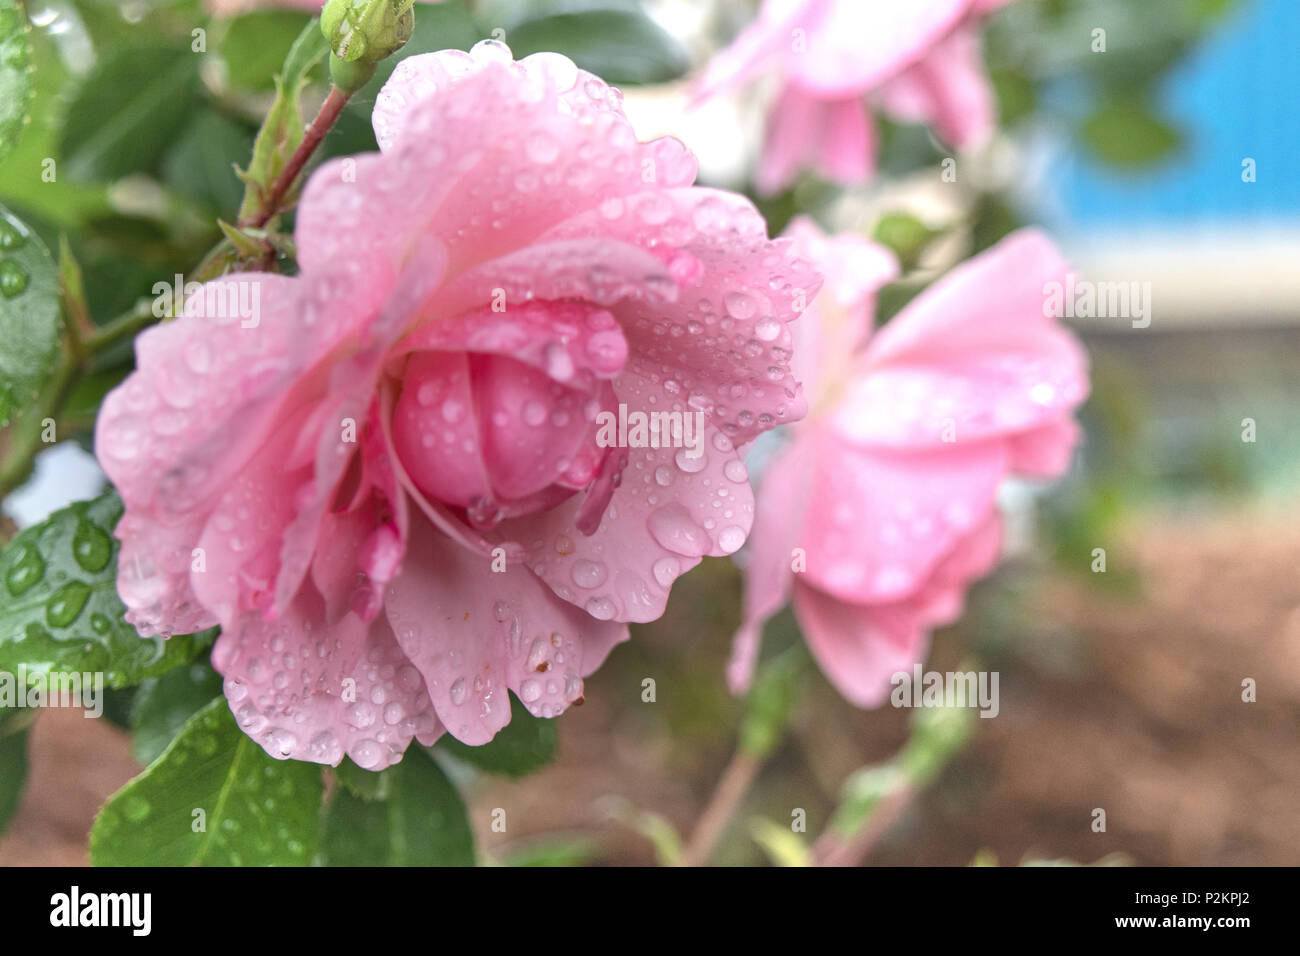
(1237, 95)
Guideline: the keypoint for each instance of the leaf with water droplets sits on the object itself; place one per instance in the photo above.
(256, 811)
(30, 321)
(522, 746)
(59, 609)
(414, 817)
(15, 74)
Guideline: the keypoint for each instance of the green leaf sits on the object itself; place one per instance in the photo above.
(30, 320)
(72, 287)
(245, 244)
(256, 811)
(164, 704)
(13, 772)
(618, 45)
(525, 744)
(309, 48)
(59, 609)
(1129, 135)
(16, 87)
(127, 111)
(418, 821)
(255, 45)
(360, 782)
(282, 130)
(201, 163)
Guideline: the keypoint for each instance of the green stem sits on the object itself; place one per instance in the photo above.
(311, 138)
(123, 327)
(836, 849)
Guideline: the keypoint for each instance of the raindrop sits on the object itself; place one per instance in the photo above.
(62, 609)
(530, 690)
(666, 571)
(13, 280)
(674, 529)
(457, 691)
(601, 608)
(688, 463)
(588, 574)
(12, 234)
(730, 539)
(136, 808)
(27, 569)
(91, 546)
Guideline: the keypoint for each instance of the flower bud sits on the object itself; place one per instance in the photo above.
(361, 33)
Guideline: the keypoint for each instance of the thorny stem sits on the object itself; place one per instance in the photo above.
(734, 784)
(311, 138)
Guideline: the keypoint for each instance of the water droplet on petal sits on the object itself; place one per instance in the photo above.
(730, 539)
(588, 574)
(674, 529)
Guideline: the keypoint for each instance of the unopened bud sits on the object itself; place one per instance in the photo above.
(361, 33)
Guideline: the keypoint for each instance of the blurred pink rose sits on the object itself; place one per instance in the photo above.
(887, 489)
(391, 467)
(919, 60)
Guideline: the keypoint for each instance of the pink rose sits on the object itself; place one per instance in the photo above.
(394, 468)
(886, 492)
(920, 60)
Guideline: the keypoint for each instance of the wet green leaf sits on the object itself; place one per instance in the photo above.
(414, 818)
(30, 319)
(59, 609)
(15, 74)
(213, 798)
(522, 746)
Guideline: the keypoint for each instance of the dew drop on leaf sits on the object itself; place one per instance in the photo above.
(13, 279)
(91, 546)
(28, 568)
(66, 603)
